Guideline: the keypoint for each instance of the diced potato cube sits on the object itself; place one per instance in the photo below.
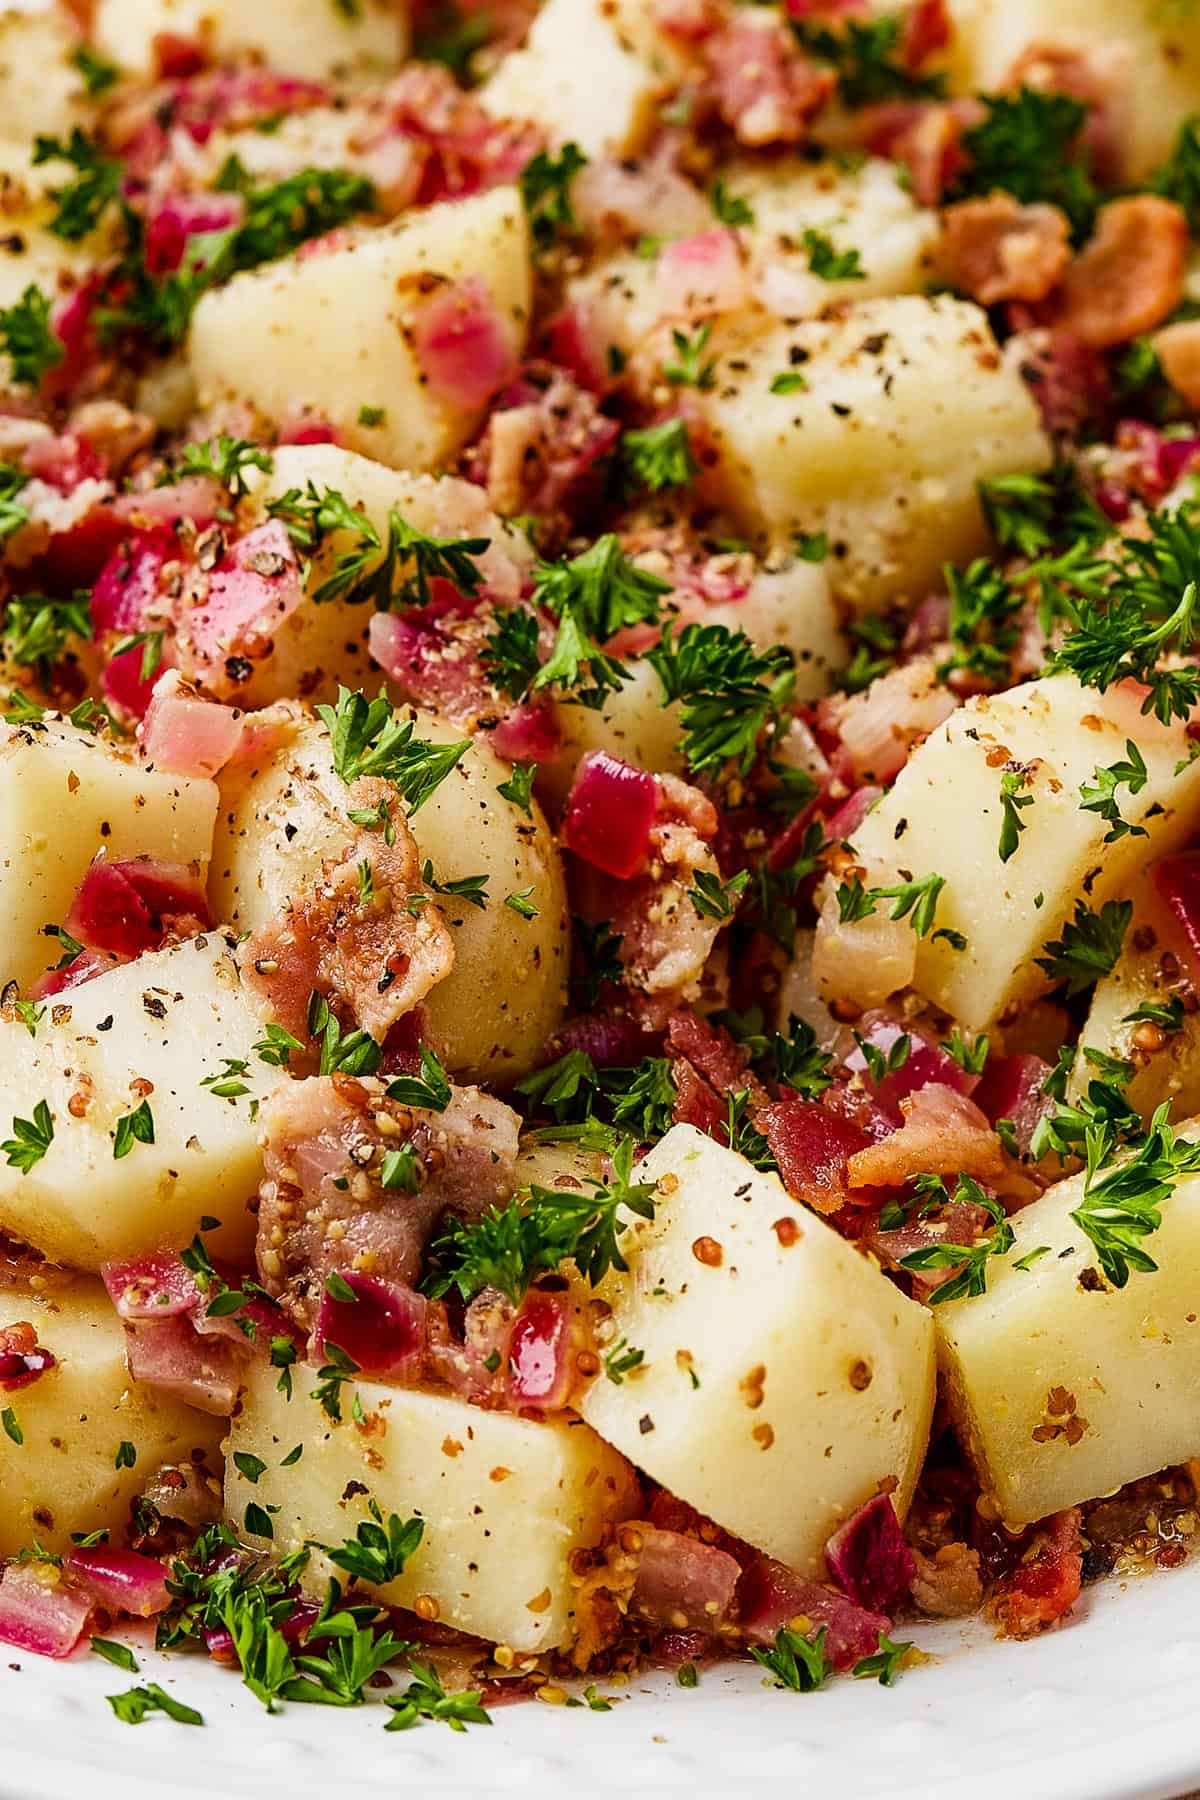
(591, 71)
(320, 645)
(907, 403)
(492, 1015)
(41, 88)
(866, 208)
(1064, 1388)
(313, 38)
(330, 329)
(1146, 55)
(65, 795)
(783, 1382)
(154, 1029)
(73, 1419)
(943, 816)
(504, 1499)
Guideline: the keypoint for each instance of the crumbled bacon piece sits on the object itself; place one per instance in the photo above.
(1045, 1584)
(767, 91)
(22, 1358)
(996, 249)
(1129, 276)
(333, 1130)
(943, 1133)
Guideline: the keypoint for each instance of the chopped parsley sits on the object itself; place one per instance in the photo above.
(226, 459)
(379, 1549)
(621, 1361)
(545, 184)
(133, 1128)
(1027, 145)
(727, 689)
(713, 898)
(658, 457)
(827, 263)
(884, 1665)
(426, 1698)
(1100, 794)
(98, 73)
(916, 901)
(693, 368)
(80, 206)
(594, 596)
(430, 1089)
(1012, 803)
(519, 786)
(797, 1663)
(28, 339)
(731, 209)
(37, 629)
(341, 1052)
(12, 1426)
(1089, 946)
(869, 59)
(969, 1260)
(971, 1058)
(368, 739)
(508, 1247)
(1121, 1205)
(337, 1369)
(138, 1703)
(30, 1140)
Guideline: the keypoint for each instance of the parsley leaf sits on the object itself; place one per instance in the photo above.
(26, 337)
(1100, 795)
(1089, 946)
(226, 459)
(83, 202)
(693, 368)
(969, 1260)
(137, 1703)
(731, 209)
(916, 901)
(379, 1549)
(830, 264)
(430, 1089)
(545, 184)
(1012, 801)
(38, 629)
(1027, 145)
(797, 1663)
(368, 739)
(714, 899)
(729, 691)
(132, 1128)
(658, 457)
(884, 1665)
(426, 1698)
(519, 786)
(594, 596)
(868, 57)
(30, 1140)
(1121, 1206)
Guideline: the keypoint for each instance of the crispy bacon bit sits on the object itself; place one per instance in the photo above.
(1178, 350)
(361, 944)
(1129, 276)
(947, 1585)
(1045, 1585)
(678, 1581)
(767, 91)
(22, 1358)
(542, 449)
(813, 1148)
(184, 734)
(926, 136)
(996, 249)
(323, 1208)
(943, 1133)
(169, 1354)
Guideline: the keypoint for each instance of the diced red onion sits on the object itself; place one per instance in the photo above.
(702, 273)
(926, 1061)
(869, 1559)
(461, 345)
(39, 1612)
(155, 1286)
(120, 1579)
(1177, 882)
(384, 1329)
(539, 1352)
(185, 735)
(609, 814)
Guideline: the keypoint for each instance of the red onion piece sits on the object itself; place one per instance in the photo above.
(384, 1329)
(609, 814)
(120, 1579)
(185, 735)
(1177, 882)
(869, 1559)
(461, 345)
(539, 1358)
(156, 1286)
(39, 1612)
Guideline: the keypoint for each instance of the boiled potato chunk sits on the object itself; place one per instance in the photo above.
(319, 645)
(314, 38)
(907, 404)
(73, 1419)
(782, 1385)
(153, 1029)
(1146, 54)
(66, 795)
(1064, 1391)
(591, 71)
(789, 603)
(332, 331)
(943, 816)
(492, 1015)
(41, 88)
(866, 208)
(505, 1500)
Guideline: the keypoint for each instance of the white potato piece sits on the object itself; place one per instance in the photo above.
(41, 88)
(593, 72)
(1127, 1361)
(65, 796)
(868, 209)
(492, 1015)
(318, 646)
(332, 331)
(1144, 54)
(908, 404)
(153, 1029)
(313, 38)
(73, 1418)
(788, 603)
(504, 1499)
(813, 1375)
(943, 816)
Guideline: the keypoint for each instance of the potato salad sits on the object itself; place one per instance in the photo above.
(599, 836)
